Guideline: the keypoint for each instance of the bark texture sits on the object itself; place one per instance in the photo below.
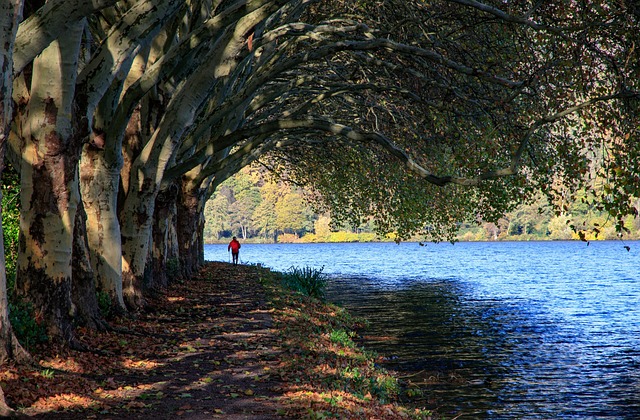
(49, 195)
(5, 410)
(10, 15)
(48, 23)
(190, 228)
(83, 289)
(164, 251)
(99, 185)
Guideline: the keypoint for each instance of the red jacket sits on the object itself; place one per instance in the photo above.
(234, 246)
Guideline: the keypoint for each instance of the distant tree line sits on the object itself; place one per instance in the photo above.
(254, 207)
(537, 221)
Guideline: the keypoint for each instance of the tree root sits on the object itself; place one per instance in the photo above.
(5, 410)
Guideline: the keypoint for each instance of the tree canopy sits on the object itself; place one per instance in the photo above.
(123, 117)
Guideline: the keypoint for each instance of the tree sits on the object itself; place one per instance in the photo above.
(265, 213)
(10, 15)
(416, 115)
(291, 214)
(49, 195)
(247, 198)
(124, 35)
(516, 126)
(215, 214)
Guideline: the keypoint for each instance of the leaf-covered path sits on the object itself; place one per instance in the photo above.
(205, 350)
(228, 343)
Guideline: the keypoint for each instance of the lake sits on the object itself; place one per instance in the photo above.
(496, 330)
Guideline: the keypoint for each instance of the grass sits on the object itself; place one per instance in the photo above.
(335, 377)
(307, 280)
(342, 337)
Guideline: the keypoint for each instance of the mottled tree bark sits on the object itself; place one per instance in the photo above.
(136, 29)
(164, 250)
(147, 171)
(49, 22)
(100, 169)
(145, 177)
(132, 146)
(190, 227)
(49, 195)
(5, 410)
(83, 287)
(99, 185)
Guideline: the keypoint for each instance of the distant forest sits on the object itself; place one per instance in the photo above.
(257, 209)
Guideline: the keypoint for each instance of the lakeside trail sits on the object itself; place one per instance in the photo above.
(226, 344)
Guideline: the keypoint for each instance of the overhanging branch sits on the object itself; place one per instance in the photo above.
(264, 132)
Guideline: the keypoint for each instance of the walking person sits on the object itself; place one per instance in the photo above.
(234, 247)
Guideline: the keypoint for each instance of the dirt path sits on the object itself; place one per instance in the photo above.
(220, 345)
(205, 351)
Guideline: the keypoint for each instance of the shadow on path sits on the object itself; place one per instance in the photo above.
(206, 349)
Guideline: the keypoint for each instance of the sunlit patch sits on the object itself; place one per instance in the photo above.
(64, 402)
(175, 299)
(68, 364)
(131, 392)
(337, 402)
(140, 364)
(8, 375)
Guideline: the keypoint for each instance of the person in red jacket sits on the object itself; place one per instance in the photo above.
(234, 246)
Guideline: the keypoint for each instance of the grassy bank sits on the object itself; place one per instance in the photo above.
(334, 377)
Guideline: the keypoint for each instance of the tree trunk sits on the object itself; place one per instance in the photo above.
(5, 410)
(49, 196)
(148, 170)
(132, 262)
(143, 181)
(136, 227)
(10, 15)
(190, 229)
(47, 24)
(99, 185)
(83, 290)
(138, 26)
(165, 264)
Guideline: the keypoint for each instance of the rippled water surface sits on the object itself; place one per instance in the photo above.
(493, 330)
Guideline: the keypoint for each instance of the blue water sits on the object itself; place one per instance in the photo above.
(504, 330)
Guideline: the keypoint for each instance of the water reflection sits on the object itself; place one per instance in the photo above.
(493, 358)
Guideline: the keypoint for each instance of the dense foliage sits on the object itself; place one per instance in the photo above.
(21, 313)
(10, 222)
